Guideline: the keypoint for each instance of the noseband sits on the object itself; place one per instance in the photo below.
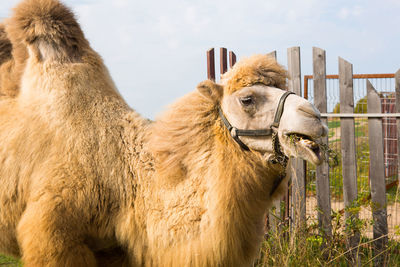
(235, 132)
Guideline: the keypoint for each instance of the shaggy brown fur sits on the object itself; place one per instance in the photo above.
(56, 33)
(12, 66)
(218, 194)
(50, 27)
(5, 63)
(264, 70)
(85, 180)
(5, 46)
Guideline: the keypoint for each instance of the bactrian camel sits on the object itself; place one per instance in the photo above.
(85, 180)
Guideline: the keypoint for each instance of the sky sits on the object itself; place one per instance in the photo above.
(156, 50)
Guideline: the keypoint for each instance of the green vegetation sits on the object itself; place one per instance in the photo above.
(333, 124)
(8, 261)
(361, 106)
(308, 248)
(335, 173)
(362, 155)
(336, 109)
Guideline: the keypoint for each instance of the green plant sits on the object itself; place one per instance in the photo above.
(9, 261)
(306, 247)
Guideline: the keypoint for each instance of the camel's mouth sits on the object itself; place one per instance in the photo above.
(305, 147)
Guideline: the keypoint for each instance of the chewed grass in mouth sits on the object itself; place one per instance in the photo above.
(317, 148)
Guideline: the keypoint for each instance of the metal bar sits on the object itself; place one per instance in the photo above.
(358, 76)
(355, 76)
(397, 88)
(360, 115)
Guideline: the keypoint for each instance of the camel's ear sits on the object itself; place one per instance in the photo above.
(210, 90)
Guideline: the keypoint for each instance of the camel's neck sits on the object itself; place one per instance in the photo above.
(242, 189)
(201, 172)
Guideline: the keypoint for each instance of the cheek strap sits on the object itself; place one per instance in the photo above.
(235, 132)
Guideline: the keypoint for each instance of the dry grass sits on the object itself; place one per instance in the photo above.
(308, 248)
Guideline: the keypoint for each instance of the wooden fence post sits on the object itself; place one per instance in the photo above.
(223, 60)
(232, 59)
(297, 165)
(322, 171)
(210, 64)
(377, 176)
(348, 149)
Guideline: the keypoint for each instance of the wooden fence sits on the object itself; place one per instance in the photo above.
(295, 200)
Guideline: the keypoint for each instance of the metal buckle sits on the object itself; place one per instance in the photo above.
(233, 132)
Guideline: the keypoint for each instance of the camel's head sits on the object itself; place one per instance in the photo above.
(249, 97)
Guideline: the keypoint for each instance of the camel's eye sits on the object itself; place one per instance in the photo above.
(246, 101)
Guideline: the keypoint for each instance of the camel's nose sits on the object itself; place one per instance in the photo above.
(309, 109)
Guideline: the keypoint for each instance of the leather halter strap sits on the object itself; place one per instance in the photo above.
(279, 110)
(235, 132)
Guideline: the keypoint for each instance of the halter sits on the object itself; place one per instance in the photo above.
(235, 132)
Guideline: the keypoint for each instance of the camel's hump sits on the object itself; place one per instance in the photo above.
(49, 27)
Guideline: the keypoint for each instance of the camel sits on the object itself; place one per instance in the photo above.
(87, 181)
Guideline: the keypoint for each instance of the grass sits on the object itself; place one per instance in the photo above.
(362, 156)
(9, 261)
(308, 248)
(334, 124)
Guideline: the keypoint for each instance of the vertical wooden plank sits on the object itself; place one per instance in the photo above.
(377, 176)
(297, 165)
(276, 205)
(210, 64)
(348, 149)
(272, 54)
(397, 86)
(322, 171)
(294, 69)
(232, 59)
(223, 60)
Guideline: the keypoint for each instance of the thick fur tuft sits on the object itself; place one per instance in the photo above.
(10, 69)
(211, 90)
(49, 27)
(5, 46)
(255, 69)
